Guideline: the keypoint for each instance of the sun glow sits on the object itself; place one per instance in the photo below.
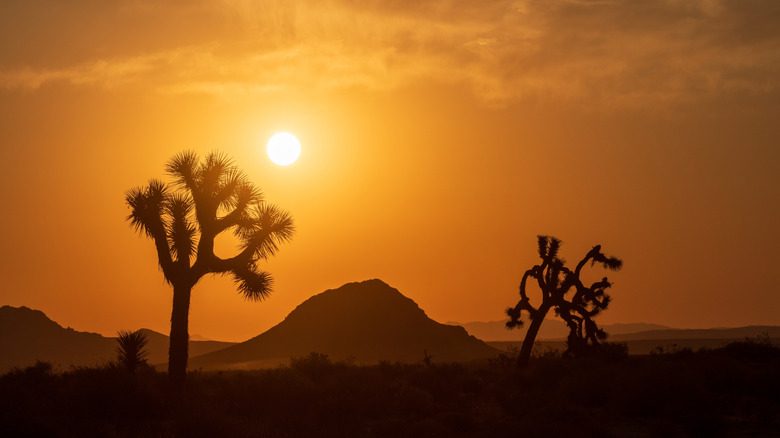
(283, 148)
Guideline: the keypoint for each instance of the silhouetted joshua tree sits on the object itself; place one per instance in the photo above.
(207, 198)
(556, 281)
(131, 352)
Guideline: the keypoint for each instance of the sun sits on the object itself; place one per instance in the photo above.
(283, 148)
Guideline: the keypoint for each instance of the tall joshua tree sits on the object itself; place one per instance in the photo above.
(556, 281)
(206, 198)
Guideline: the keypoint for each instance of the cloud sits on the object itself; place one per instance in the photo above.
(101, 72)
(607, 53)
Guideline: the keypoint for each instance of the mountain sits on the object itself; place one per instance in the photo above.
(550, 329)
(497, 331)
(645, 342)
(27, 335)
(623, 328)
(752, 331)
(158, 346)
(368, 321)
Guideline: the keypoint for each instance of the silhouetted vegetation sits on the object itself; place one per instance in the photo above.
(730, 391)
(206, 199)
(759, 348)
(131, 352)
(556, 281)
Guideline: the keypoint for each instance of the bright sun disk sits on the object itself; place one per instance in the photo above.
(283, 148)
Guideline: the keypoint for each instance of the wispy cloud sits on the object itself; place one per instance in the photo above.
(602, 53)
(104, 72)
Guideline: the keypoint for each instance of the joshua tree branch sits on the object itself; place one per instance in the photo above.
(595, 250)
(539, 275)
(523, 294)
(230, 220)
(555, 282)
(157, 231)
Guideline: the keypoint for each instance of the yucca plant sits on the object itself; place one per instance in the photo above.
(556, 281)
(131, 352)
(184, 218)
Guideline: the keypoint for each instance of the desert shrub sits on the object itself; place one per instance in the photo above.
(131, 350)
(506, 359)
(671, 350)
(314, 366)
(757, 349)
(546, 353)
(613, 351)
(605, 352)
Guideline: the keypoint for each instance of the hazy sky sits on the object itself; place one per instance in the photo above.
(439, 138)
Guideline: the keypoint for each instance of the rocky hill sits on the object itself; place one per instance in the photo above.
(367, 322)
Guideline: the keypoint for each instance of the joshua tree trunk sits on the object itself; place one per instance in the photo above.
(530, 335)
(179, 340)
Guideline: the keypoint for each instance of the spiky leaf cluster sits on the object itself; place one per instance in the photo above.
(131, 350)
(208, 197)
(563, 291)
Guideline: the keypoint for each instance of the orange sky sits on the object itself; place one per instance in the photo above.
(438, 141)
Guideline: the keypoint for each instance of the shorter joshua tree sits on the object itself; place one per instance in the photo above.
(131, 352)
(555, 282)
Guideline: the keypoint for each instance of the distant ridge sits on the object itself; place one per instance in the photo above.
(491, 331)
(368, 321)
(158, 346)
(671, 339)
(27, 335)
(379, 323)
(750, 331)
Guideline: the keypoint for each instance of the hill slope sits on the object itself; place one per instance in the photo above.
(27, 335)
(369, 321)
